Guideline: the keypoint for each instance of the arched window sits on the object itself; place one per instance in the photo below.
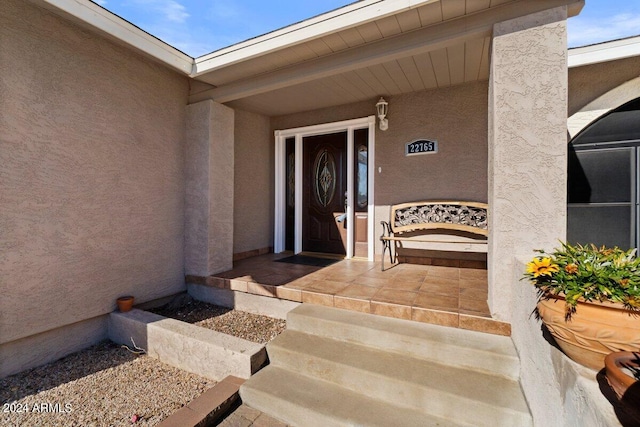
(621, 124)
(604, 180)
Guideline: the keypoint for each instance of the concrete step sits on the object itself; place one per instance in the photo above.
(451, 346)
(306, 402)
(404, 380)
(336, 367)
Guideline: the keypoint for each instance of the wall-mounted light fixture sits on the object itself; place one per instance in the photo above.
(383, 108)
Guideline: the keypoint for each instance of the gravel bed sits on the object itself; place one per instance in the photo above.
(249, 326)
(104, 385)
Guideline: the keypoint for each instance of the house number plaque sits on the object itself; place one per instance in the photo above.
(421, 146)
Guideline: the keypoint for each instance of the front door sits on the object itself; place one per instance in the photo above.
(324, 191)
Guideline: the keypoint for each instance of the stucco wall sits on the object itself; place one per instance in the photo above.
(324, 115)
(527, 193)
(254, 178)
(92, 155)
(599, 88)
(38, 349)
(527, 145)
(209, 171)
(456, 117)
(591, 81)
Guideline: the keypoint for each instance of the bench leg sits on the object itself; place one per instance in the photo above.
(386, 246)
(393, 253)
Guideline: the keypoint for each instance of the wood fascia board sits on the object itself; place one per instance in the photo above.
(346, 17)
(437, 36)
(90, 15)
(603, 52)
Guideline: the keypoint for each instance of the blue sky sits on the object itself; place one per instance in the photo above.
(198, 27)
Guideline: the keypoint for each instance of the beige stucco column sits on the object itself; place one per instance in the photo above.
(527, 145)
(209, 188)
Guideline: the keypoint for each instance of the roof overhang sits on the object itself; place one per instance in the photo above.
(349, 16)
(603, 52)
(292, 60)
(355, 53)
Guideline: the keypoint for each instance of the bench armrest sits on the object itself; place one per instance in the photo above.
(386, 230)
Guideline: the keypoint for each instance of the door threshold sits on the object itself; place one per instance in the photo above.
(322, 255)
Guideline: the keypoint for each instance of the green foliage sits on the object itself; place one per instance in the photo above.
(587, 273)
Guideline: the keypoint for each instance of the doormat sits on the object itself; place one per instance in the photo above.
(308, 260)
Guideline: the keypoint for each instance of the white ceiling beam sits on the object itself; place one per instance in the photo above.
(426, 39)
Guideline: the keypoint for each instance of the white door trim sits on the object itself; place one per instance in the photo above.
(280, 176)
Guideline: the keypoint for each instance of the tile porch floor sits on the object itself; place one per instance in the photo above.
(446, 296)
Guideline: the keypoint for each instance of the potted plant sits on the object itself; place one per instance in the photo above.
(622, 370)
(125, 303)
(589, 299)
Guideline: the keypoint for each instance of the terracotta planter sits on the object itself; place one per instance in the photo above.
(125, 303)
(614, 363)
(595, 330)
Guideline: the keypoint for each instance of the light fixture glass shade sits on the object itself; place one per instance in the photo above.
(382, 107)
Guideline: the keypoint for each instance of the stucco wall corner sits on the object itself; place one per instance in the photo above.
(537, 371)
(221, 188)
(209, 172)
(254, 177)
(196, 186)
(527, 145)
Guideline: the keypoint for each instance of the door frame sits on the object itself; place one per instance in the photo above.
(281, 136)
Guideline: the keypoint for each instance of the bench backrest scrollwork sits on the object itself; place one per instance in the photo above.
(452, 215)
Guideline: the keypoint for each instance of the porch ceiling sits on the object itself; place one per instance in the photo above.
(418, 45)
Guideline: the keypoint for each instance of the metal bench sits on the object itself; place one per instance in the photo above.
(413, 221)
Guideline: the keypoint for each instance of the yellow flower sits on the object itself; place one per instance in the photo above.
(541, 267)
(633, 301)
(571, 268)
